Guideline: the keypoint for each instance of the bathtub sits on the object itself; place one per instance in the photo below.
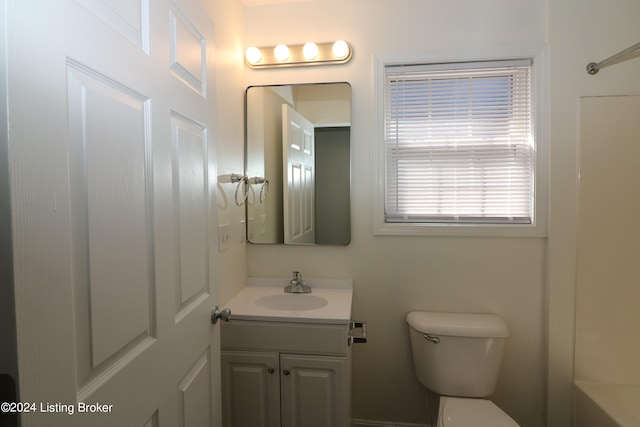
(597, 404)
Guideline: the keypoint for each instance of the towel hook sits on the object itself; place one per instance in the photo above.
(264, 189)
(242, 181)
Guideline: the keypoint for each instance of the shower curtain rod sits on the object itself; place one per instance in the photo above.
(593, 68)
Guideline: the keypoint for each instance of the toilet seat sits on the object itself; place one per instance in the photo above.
(460, 412)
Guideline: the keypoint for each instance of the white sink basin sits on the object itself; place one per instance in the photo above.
(264, 299)
(291, 302)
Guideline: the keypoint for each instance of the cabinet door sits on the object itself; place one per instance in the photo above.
(314, 391)
(250, 389)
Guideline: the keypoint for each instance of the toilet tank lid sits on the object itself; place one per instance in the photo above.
(458, 324)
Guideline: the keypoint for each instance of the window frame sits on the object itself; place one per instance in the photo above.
(539, 109)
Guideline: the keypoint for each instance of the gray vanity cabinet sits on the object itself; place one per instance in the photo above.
(287, 386)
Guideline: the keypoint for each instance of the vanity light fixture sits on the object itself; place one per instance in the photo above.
(340, 49)
(338, 52)
(253, 55)
(310, 51)
(281, 52)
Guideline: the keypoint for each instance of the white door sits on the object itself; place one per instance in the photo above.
(112, 166)
(298, 153)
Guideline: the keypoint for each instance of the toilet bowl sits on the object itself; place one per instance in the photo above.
(461, 412)
(457, 356)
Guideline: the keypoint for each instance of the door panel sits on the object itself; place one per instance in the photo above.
(314, 391)
(189, 144)
(187, 50)
(195, 394)
(109, 184)
(299, 170)
(251, 386)
(129, 18)
(112, 162)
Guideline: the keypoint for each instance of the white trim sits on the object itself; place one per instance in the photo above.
(540, 82)
(369, 423)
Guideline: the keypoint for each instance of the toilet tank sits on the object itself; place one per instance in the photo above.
(457, 354)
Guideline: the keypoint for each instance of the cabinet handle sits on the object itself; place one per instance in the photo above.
(286, 372)
(362, 338)
(270, 370)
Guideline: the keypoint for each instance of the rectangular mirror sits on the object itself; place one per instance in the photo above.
(298, 163)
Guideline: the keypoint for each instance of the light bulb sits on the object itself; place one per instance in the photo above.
(281, 52)
(310, 51)
(253, 55)
(340, 49)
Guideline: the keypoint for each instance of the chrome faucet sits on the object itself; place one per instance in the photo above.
(297, 286)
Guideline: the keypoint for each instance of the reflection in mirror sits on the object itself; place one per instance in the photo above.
(298, 164)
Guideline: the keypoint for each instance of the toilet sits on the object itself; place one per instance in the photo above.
(457, 356)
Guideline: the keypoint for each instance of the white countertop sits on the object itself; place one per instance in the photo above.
(337, 293)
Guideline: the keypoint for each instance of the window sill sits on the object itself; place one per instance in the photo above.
(458, 230)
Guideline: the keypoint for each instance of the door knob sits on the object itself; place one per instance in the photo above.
(220, 314)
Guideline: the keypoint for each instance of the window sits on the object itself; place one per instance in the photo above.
(459, 144)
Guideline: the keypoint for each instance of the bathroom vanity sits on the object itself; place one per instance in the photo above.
(286, 357)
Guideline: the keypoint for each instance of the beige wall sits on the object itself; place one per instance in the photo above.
(393, 275)
(228, 19)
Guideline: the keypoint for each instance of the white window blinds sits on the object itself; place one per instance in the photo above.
(459, 144)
